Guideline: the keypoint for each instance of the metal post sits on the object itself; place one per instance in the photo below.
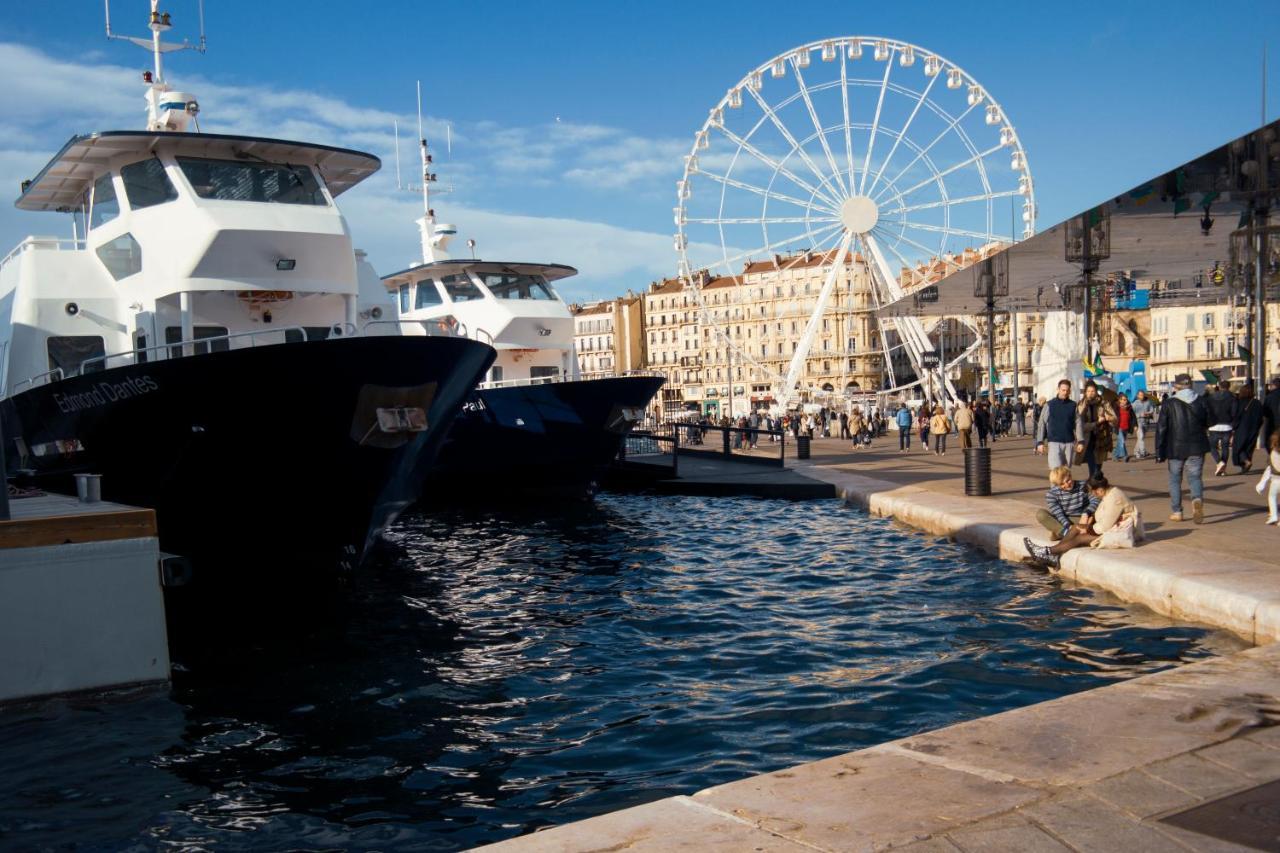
(1013, 342)
(1261, 204)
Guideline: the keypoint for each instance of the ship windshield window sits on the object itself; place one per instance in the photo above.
(460, 288)
(106, 206)
(427, 294)
(516, 286)
(173, 335)
(122, 256)
(146, 184)
(236, 180)
(68, 352)
(403, 291)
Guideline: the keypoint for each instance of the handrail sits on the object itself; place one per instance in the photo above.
(528, 380)
(252, 335)
(488, 337)
(32, 380)
(434, 327)
(56, 243)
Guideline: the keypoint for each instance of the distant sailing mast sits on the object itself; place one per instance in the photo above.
(166, 109)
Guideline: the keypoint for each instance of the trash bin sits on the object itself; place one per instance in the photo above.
(802, 447)
(977, 471)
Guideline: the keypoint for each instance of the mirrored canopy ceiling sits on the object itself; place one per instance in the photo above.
(1175, 227)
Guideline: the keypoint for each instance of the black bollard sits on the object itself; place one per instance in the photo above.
(802, 447)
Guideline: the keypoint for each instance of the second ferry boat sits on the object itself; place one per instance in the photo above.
(196, 344)
(532, 428)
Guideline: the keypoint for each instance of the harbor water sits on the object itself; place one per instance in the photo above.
(498, 672)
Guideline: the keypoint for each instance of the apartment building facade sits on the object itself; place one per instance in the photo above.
(608, 336)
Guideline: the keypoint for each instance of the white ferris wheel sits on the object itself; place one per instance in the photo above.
(855, 145)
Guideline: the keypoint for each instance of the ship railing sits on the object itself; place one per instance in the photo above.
(58, 244)
(177, 349)
(525, 381)
(39, 379)
(437, 327)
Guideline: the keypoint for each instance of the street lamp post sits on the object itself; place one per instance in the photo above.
(991, 279)
(1088, 241)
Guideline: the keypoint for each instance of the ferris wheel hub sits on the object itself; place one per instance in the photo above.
(859, 214)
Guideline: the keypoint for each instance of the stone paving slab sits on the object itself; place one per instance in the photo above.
(1091, 771)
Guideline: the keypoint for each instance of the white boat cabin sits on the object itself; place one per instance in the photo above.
(183, 243)
(511, 306)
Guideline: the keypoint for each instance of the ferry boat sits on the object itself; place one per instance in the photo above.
(533, 426)
(198, 344)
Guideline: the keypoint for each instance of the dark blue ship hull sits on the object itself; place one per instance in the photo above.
(551, 440)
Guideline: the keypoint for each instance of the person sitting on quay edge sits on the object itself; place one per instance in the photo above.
(1113, 521)
(964, 424)
(1181, 438)
(1095, 427)
(1222, 407)
(1057, 427)
(939, 427)
(1245, 428)
(1066, 499)
(904, 420)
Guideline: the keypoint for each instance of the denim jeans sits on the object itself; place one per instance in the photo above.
(904, 438)
(1121, 450)
(1220, 444)
(1091, 458)
(1195, 479)
(1140, 432)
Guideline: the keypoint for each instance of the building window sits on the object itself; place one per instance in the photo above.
(1191, 347)
(1208, 321)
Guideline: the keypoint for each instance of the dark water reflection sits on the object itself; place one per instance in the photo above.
(501, 672)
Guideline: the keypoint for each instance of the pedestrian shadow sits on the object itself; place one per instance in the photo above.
(1163, 532)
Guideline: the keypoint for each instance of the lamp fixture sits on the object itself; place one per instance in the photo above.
(286, 264)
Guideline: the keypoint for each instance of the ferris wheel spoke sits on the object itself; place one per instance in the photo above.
(875, 122)
(786, 134)
(955, 122)
(952, 202)
(844, 98)
(761, 191)
(891, 239)
(812, 234)
(774, 164)
(817, 125)
(764, 220)
(902, 133)
(959, 232)
(938, 176)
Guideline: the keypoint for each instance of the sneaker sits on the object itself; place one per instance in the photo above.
(1222, 467)
(1040, 553)
(1177, 516)
(1197, 511)
(1273, 521)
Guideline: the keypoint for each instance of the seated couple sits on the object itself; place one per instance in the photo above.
(1106, 518)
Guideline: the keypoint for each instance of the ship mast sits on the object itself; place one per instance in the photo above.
(166, 109)
(434, 236)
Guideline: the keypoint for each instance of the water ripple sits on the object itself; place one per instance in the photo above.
(501, 672)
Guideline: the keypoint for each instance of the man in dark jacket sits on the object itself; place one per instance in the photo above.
(1181, 439)
(1271, 411)
(1221, 406)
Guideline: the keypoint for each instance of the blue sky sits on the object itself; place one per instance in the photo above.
(570, 118)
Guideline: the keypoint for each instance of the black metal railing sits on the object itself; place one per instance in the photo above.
(736, 443)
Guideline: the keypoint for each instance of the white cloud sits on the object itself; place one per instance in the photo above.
(46, 100)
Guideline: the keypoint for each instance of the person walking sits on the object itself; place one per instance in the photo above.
(1245, 429)
(982, 421)
(1271, 411)
(904, 421)
(1271, 479)
(1036, 411)
(1095, 427)
(1124, 426)
(1057, 427)
(1182, 440)
(1221, 405)
(844, 425)
(964, 424)
(856, 426)
(1020, 415)
(940, 428)
(923, 422)
(1143, 412)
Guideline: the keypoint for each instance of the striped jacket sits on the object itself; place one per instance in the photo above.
(1066, 504)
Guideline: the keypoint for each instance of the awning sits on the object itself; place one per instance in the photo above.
(1176, 226)
(63, 182)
